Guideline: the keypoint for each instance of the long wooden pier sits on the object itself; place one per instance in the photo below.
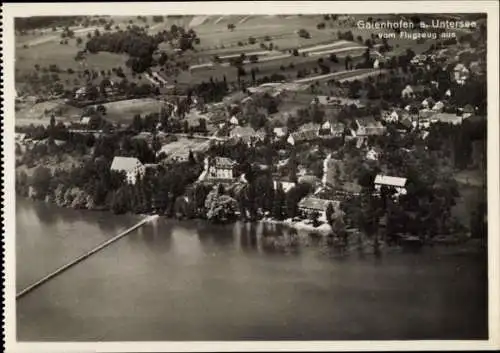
(83, 257)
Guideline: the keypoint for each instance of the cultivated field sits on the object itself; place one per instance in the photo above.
(124, 111)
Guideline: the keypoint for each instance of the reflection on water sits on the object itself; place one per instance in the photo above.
(191, 280)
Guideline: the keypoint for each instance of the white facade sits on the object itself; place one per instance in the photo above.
(234, 121)
(132, 167)
(219, 168)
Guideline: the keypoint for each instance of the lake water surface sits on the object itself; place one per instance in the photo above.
(189, 280)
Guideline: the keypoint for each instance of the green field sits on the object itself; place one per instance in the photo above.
(124, 111)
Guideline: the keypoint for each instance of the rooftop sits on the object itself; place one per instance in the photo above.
(124, 163)
(390, 180)
(223, 162)
(317, 204)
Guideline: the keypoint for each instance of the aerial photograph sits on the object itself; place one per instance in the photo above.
(284, 177)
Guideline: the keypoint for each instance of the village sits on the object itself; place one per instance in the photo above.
(327, 139)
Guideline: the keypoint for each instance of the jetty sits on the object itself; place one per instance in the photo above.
(89, 253)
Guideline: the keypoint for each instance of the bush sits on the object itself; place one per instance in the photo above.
(304, 34)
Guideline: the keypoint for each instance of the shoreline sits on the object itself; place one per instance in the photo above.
(324, 230)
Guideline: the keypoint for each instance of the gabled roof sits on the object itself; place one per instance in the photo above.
(124, 163)
(223, 162)
(280, 131)
(369, 122)
(390, 180)
(304, 135)
(242, 131)
(317, 204)
(85, 120)
(309, 126)
(447, 118)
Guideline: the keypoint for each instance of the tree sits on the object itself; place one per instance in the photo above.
(101, 109)
(41, 181)
(314, 217)
(137, 123)
(231, 26)
(279, 203)
(304, 33)
(329, 213)
(52, 122)
(348, 61)
(191, 158)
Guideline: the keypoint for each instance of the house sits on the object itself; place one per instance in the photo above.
(218, 116)
(131, 166)
(419, 59)
(391, 117)
(467, 111)
(426, 103)
(460, 73)
(20, 136)
(234, 120)
(218, 168)
(407, 92)
(331, 129)
(85, 120)
(81, 93)
(438, 107)
(302, 136)
(399, 184)
(447, 118)
(280, 132)
(247, 134)
(373, 154)
(308, 205)
(368, 126)
(286, 185)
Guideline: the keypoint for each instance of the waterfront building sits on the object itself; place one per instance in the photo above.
(131, 166)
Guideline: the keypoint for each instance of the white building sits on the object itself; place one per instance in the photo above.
(280, 131)
(438, 107)
(218, 168)
(234, 120)
(407, 92)
(131, 166)
(399, 184)
(286, 185)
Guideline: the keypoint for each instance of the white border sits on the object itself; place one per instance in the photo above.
(265, 8)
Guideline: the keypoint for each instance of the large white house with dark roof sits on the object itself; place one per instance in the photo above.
(131, 166)
(399, 184)
(218, 168)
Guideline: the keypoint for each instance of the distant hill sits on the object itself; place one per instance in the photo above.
(29, 23)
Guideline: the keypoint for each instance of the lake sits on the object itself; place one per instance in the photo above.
(190, 280)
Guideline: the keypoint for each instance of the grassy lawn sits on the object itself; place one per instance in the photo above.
(39, 114)
(124, 111)
(183, 145)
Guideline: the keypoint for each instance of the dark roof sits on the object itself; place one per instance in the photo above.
(223, 162)
(317, 204)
